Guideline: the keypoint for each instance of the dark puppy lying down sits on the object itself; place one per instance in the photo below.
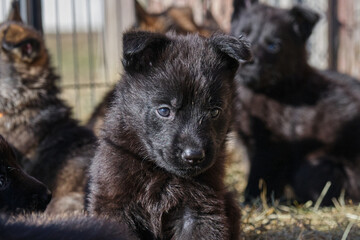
(160, 163)
(301, 126)
(19, 191)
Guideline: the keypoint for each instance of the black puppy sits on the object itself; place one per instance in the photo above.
(18, 190)
(301, 126)
(160, 164)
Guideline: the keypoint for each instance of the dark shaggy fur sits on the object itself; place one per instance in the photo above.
(301, 126)
(18, 190)
(160, 164)
(177, 19)
(61, 227)
(34, 119)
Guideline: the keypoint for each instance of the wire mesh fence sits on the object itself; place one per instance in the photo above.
(77, 45)
(84, 38)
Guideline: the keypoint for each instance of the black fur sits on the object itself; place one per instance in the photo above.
(18, 190)
(45, 227)
(300, 125)
(160, 164)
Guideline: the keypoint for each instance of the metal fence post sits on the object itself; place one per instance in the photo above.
(33, 14)
(333, 34)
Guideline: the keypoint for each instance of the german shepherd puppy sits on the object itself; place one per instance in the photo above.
(177, 19)
(160, 164)
(18, 190)
(301, 126)
(33, 118)
(60, 227)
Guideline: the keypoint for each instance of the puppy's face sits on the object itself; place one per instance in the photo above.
(24, 62)
(19, 191)
(23, 48)
(177, 94)
(277, 37)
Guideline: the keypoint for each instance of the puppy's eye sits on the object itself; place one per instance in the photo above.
(215, 112)
(3, 182)
(27, 49)
(273, 46)
(164, 112)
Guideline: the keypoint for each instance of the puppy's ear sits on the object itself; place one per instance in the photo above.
(14, 14)
(235, 49)
(24, 48)
(304, 21)
(240, 5)
(142, 49)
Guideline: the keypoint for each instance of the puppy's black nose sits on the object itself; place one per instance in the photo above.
(193, 156)
(46, 198)
(40, 201)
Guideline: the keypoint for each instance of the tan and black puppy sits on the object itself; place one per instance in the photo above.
(18, 191)
(34, 119)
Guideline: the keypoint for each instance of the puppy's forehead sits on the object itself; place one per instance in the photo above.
(263, 20)
(189, 65)
(16, 32)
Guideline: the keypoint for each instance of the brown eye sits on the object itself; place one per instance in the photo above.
(215, 112)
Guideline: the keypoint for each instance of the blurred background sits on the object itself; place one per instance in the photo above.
(84, 37)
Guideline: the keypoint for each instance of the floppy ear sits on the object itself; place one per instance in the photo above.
(142, 49)
(236, 49)
(14, 14)
(304, 21)
(240, 5)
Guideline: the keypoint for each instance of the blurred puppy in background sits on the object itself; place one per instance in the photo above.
(301, 126)
(36, 122)
(19, 192)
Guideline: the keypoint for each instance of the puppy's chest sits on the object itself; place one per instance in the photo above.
(162, 207)
(21, 137)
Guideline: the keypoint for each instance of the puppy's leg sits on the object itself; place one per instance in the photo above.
(233, 214)
(207, 221)
(312, 176)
